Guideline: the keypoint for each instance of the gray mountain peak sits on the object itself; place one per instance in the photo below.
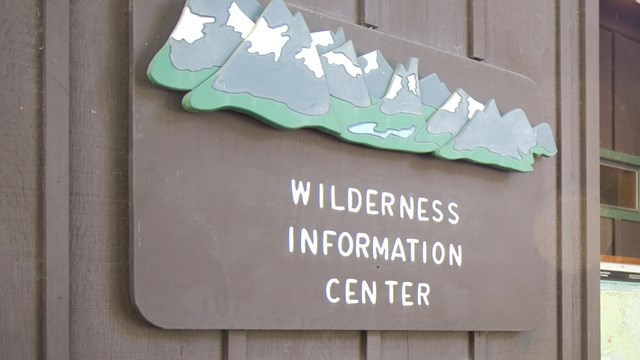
(509, 135)
(269, 64)
(377, 73)
(433, 92)
(344, 76)
(403, 93)
(219, 39)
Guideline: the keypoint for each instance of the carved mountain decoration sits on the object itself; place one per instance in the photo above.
(232, 54)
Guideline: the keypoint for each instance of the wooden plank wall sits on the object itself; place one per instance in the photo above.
(546, 40)
(20, 180)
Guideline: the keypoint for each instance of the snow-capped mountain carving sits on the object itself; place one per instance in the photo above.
(233, 54)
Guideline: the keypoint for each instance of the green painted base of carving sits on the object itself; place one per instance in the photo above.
(337, 121)
(205, 99)
(162, 72)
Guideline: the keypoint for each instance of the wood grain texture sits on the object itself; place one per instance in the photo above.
(20, 180)
(626, 85)
(478, 18)
(440, 24)
(570, 206)
(521, 38)
(56, 180)
(236, 345)
(347, 10)
(373, 341)
(308, 345)
(104, 325)
(606, 89)
(590, 109)
(371, 13)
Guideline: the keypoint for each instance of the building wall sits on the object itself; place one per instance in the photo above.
(546, 40)
(619, 109)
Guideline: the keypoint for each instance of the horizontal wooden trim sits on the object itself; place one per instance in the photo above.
(620, 259)
(619, 214)
(619, 157)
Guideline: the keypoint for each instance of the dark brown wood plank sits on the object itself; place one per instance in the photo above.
(373, 345)
(590, 110)
(521, 39)
(347, 10)
(479, 345)
(371, 13)
(56, 179)
(308, 345)
(570, 176)
(441, 24)
(626, 87)
(606, 89)
(105, 325)
(236, 345)
(20, 180)
(478, 20)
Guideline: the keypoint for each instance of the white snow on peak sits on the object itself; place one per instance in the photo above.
(310, 55)
(453, 103)
(341, 59)
(413, 84)
(266, 40)
(190, 27)
(474, 106)
(239, 21)
(394, 88)
(372, 62)
(322, 38)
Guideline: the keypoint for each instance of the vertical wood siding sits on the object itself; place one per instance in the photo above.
(20, 180)
(543, 40)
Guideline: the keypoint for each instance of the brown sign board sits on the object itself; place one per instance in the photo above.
(237, 225)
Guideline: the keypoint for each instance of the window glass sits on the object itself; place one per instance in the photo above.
(618, 186)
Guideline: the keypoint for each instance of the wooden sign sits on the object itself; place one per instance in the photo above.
(239, 224)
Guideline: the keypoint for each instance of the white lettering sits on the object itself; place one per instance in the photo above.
(406, 207)
(370, 203)
(435, 205)
(354, 200)
(413, 243)
(391, 285)
(310, 242)
(423, 293)
(438, 253)
(334, 205)
(341, 238)
(369, 292)
(388, 200)
(300, 190)
(362, 243)
(348, 293)
(455, 218)
(380, 249)
(327, 290)
(398, 251)
(405, 295)
(422, 209)
(455, 254)
(326, 244)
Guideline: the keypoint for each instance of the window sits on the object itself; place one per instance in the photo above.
(619, 174)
